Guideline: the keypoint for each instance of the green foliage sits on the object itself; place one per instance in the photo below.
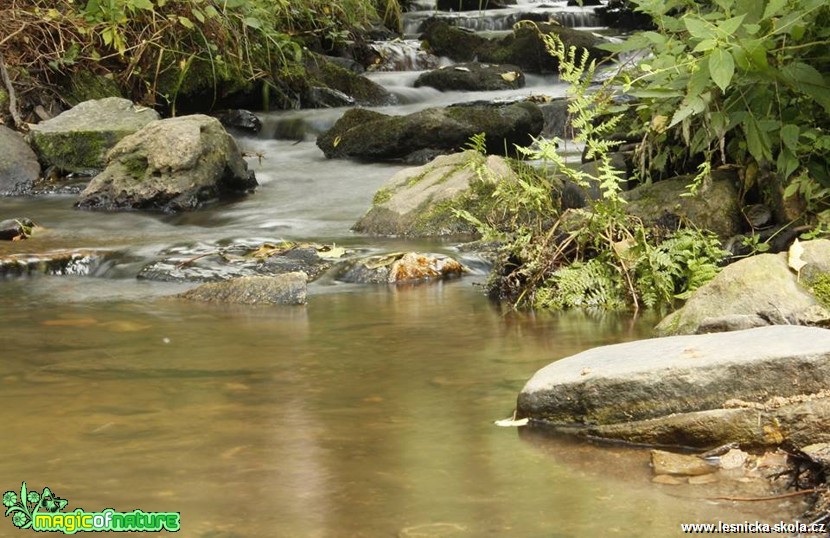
(600, 258)
(729, 82)
(157, 49)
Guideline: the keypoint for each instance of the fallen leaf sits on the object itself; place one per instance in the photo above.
(511, 422)
(510, 76)
(465, 69)
(794, 258)
(332, 252)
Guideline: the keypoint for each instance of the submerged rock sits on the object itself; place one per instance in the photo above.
(79, 262)
(213, 262)
(287, 289)
(755, 387)
(473, 76)
(418, 201)
(78, 140)
(19, 168)
(177, 164)
(400, 267)
(372, 136)
(760, 290)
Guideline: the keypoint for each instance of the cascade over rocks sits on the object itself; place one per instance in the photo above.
(524, 47)
(177, 164)
(756, 387)
(372, 136)
(77, 141)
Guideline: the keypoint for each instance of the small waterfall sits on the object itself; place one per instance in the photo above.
(403, 55)
(498, 20)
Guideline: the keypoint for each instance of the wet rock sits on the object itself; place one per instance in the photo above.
(79, 262)
(715, 210)
(19, 168)
(524, 47)
(326, 83)
(473, 76)
(177, 164)
(417, 201)
(15, 229)
(758, 216)
(371, 136)
(557, 119)
(285, 289)
(78, 140)
(663, 462)
(213, 262)
(399, 267)
(758, 289)
(242, 120)
(756, 387)
(621, 14)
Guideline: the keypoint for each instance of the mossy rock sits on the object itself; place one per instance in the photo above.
(322, 72)
(371, 136)
(420, 201)
(78, 140)
(86, 86)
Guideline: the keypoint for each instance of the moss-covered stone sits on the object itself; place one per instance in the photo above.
(322, 72)
(78, 140)
(85, 86)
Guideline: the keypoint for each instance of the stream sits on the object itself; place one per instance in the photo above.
(368, 412)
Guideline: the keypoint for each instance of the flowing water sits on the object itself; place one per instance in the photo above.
(368, 412)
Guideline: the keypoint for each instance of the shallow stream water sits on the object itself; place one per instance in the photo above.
(368, 412)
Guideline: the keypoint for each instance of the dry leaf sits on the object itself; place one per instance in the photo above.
(510, 76)
(794, 258)
(511, 422)
(465, 69)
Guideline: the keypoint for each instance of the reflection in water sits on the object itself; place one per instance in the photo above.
(362, 414)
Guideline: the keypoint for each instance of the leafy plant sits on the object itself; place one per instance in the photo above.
(735, 82)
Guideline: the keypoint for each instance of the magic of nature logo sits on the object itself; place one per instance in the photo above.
(44, 511)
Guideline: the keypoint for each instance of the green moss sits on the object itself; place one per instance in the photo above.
(4, 99)
(85, 85)
(820, 287)
(383, 195)
(77, 152)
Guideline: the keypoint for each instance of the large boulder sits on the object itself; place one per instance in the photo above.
(77, 141)
(473, 77)
(760, 386)
(287, 289)
(524, 47)
(372, 136)
(760, 290)
(715, 208)
(170, 165)
(417, 201)
(19, 168)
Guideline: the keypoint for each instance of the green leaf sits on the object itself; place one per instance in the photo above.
(690, 106)
(253, 22)
(187, 23)
(807, 80)
(773, 8)
(706, 44)
(787, 163)
(200, 16)
(143, 4)
(730, 26)
(789, 136)
(757, 141)
(721, 67)
(698, 28)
